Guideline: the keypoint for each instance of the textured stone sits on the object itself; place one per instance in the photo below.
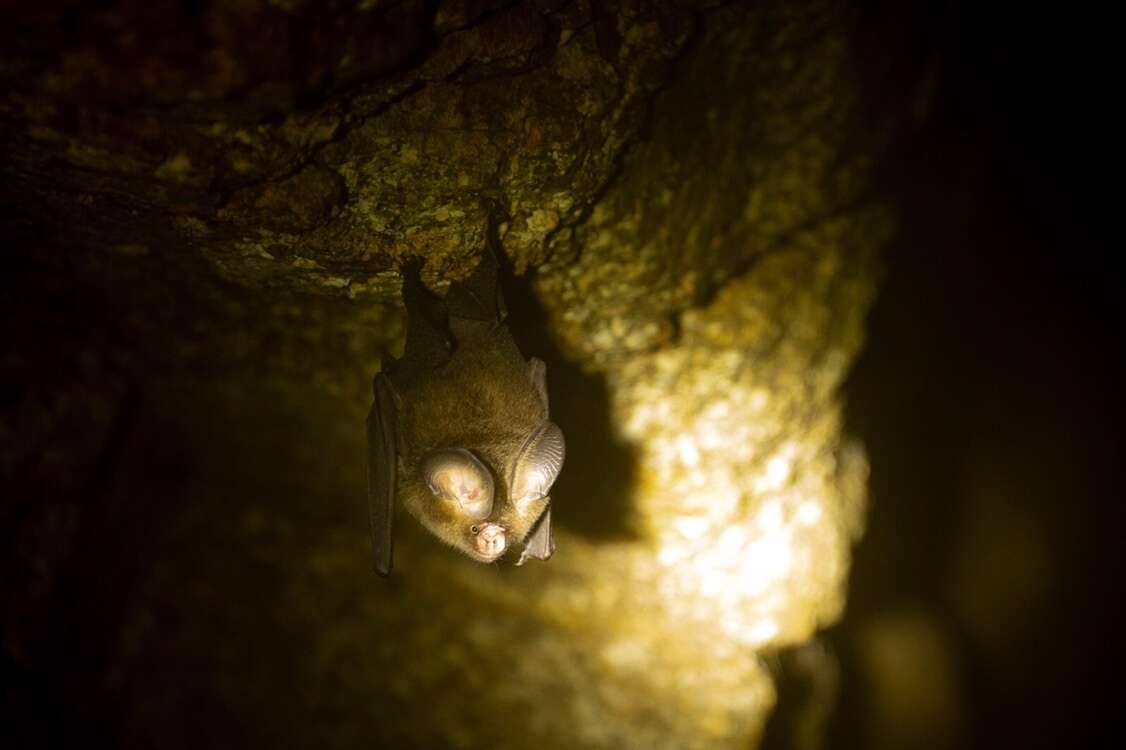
(208, 246)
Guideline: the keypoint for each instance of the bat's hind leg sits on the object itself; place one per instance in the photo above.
(477, 300)
(428, 341)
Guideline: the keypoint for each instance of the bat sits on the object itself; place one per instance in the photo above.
(458, 430)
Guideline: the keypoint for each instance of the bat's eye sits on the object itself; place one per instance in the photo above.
(457, 476)
(538, 465)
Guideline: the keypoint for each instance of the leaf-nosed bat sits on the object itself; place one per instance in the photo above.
(459, 429)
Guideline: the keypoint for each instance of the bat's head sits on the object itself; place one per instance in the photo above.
(487, 498)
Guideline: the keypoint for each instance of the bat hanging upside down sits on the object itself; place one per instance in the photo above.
(459, 428)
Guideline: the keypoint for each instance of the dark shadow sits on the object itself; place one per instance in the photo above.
(986, 390)
(806, 679)
(592, 495)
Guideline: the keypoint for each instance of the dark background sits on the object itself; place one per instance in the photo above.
(988, 395)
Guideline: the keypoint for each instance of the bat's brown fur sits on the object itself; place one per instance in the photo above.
(482, 399)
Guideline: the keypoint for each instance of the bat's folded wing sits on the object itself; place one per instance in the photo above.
(540, 544)
(382, 464)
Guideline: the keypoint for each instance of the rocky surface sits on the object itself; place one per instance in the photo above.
(207, 208)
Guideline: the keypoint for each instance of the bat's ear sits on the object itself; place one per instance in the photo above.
(382, 466)
(537, 373)
(540, 544)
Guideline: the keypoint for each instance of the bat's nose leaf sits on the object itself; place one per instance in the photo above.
(491, 540)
